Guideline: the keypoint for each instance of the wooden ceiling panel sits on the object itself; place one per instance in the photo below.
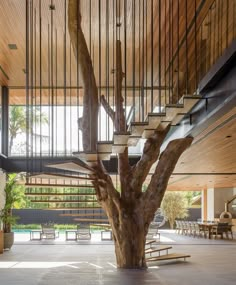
(100, 43)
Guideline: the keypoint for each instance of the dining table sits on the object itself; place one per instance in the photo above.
(207, 227)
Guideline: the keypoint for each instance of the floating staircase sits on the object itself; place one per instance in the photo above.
(173, 114)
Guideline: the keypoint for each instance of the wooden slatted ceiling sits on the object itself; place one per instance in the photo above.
(12, 23)
(213, 152)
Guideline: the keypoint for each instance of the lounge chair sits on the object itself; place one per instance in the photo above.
(83, 232)
(48, 232)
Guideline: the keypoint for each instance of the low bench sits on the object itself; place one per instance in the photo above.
(168, 257)
(157, 249)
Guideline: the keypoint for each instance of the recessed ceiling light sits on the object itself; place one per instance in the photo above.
(52, 7)
(12, 46)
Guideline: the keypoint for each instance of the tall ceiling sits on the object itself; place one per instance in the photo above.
(210, 161)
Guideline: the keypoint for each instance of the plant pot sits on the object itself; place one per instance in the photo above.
(8, 240)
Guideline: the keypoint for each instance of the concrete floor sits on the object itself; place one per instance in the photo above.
(212, 262)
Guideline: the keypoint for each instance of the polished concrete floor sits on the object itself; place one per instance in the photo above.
(212, 262)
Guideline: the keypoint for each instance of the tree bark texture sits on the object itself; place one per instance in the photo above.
(129, 210)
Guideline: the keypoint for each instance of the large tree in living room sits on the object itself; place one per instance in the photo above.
(129, 210)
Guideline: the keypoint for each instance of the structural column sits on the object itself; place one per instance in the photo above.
(5, 115)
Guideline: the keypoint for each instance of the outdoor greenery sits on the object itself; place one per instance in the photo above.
(174, 205)
(12, 196)
(60, 227)
(18, 123)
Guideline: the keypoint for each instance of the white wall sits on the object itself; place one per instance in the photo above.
(2, 186)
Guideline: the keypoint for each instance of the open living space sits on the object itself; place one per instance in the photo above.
(117, 142)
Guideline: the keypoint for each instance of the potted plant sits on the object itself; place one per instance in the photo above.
(11, 196)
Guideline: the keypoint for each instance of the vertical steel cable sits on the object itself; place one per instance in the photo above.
(214, 34)
(77, 75)
(172, 47)
(107, 69)
(151, 56)
(186, 43)
(125, 55)
(65, 29)
(165, 48)
(52, 83)
(169, 46)
(139, 61)
(178, 68)
(133, 52)
(218, 23)
(35, 81)
(201, 55)
(56, 105)
(31, 116)
(159, 55)
(27, 82)
(70, 128)
(143, 67)
(40, 78)
(99, 64)
(221, 27)
(146, 73)
(113, 57)
(49, 92)
(210, 37)
(227, 23)
(195, 42)
(234, 13)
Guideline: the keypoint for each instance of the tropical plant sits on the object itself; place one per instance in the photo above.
(12, 196)
(174, 205)
(17, 121)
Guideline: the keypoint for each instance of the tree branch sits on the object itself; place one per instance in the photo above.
(158, 184)
(120, 121)
(150, 154)
(108, 108)
(90, 99)
(104, 187)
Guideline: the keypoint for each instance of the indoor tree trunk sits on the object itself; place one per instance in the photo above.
(130, 247)
(129, 238)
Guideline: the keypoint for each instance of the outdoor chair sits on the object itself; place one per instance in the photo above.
(83, 232)
(221, 229)
(153, 233)
(48, 232)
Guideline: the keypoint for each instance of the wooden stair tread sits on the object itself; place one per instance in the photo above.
(42, 185)
(46, 175)
(60, 194)
(118, 148)
(64, 201)
(157, 249)
(150, 241)
(168, 257)
(76, 166)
